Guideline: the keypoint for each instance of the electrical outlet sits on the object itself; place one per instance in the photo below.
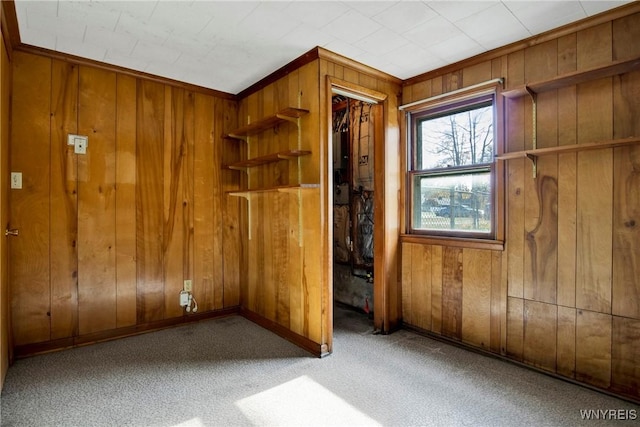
(188, 286)
(184, 299)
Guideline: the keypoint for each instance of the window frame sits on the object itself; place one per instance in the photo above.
(442, 105)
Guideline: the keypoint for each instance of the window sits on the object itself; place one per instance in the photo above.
(452, 168)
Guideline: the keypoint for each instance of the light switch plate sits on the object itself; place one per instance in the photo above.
(16, 180)
(188, 286)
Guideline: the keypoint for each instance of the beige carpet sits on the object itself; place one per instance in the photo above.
(231, 372)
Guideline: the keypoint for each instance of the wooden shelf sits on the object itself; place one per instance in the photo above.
(569, 148)
(286, 115)
(269, 158)
(577, 77)
(281, 188)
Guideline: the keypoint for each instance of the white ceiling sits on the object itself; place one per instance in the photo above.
(229, 45)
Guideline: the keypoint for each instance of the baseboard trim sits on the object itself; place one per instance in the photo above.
(27, 350)
(461, 344)
(305, 343)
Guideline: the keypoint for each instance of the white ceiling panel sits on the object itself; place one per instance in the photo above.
(543, 16)
(402, 17)
(351, 27)
(229, 45)
(433, 31)
(315, 13)
(85, 50)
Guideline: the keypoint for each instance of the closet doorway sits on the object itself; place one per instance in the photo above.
(356, 129)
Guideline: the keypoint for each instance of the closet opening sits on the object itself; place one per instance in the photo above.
(353, 138)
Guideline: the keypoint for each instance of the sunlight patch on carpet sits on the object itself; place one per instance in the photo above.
(193, 422)
(301, 401)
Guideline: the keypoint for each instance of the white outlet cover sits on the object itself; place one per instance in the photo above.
(81, 143)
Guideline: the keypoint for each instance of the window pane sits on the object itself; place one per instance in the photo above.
(458, 139)
(460, 203)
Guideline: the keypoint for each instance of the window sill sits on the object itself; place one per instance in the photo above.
(456, 242)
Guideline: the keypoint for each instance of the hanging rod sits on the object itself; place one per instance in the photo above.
(488, 83)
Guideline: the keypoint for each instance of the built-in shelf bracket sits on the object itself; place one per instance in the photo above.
(534, 130)
(247, 194)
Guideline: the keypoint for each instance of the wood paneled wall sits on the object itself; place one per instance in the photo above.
(287, 247)
(107, 238)
(5, 96)
(564, 295)
(281, 230)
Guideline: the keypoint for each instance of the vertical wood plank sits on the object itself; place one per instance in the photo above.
(477, 73)
(593, 348)
(421, 286)
(419, 91)
(253, 259)
(452, 81)
(126, 201)
(594, 199)
(626, 199)
(542, 241)
(567, 54)
(313, 255)
(497, 297)
(626, 254)
(436, 289)
(566, 348)
(173, 233)
(515, 328)
(6, 352)
(625, 36)
(296, 295)
(188, 195)
(436, 86)
(515, 199)
(150, 201)
(407, 285)
(515, 69)
(541, 61)
(476, 297)
(625, 375)
(270, 176)
(96, 202)
(228, 245)
(29, 275)
(452, 276)
(350, 75)
(567, 202)
(205, 220)
(540, 329)
(64, 201)
(594, 46)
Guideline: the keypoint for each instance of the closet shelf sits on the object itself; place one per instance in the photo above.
(269, 158)
(280, 188)
(286, 115)
(569, 148)
(574, 78)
